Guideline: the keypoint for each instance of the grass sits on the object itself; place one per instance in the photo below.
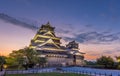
(47, 74)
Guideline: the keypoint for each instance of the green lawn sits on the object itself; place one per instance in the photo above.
(47, 74)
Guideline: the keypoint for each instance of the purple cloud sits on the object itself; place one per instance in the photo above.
(17, 22)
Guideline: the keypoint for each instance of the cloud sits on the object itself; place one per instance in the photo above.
(88, 25)
(17, 22)
(108, 38)
(63, 30)
(111, 51)
(95, 37)
(87, 35)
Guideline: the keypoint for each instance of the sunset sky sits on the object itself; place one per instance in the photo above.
(94, 24)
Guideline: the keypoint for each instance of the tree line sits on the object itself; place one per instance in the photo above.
(105, 62)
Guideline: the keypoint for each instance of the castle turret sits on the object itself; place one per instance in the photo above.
(74, 52)
(72, 45)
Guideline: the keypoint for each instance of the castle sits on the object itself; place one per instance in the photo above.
(48, 45)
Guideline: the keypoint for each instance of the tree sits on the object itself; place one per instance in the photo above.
(90, 62)
(41, 61)
(17, 57)
(118, 61)
(11, 62)
(25, 57)
(108, 62)
(2, 62)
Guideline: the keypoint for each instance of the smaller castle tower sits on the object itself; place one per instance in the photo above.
(72, 45)
(77, 56)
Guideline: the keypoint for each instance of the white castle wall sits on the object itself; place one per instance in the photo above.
(56, 60)
(63, 61)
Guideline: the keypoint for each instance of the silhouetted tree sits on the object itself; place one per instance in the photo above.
(118, 61)
(108, 62)
(25, 57)
(41, 61)
(2, 62)
(90, 62)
